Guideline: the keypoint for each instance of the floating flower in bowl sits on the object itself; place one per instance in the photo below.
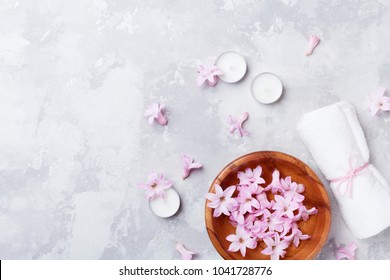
(267, 205)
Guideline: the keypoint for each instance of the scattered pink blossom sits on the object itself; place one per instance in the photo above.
(185, 254)
(155, 112)
(241, 240)
(236, 125)
(188, 165)
(259, 219)
(221, 200)
(209, 73)
(346, 252)
(156, 186)
(275, 247)
(313, 42)
(379, 102)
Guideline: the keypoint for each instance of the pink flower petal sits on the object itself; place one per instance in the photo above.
(185, 254)
(224, 209)
(200, 80)
(161, 119)
(234, 247)
(346, 252)
(313, 42)
(229, 191)
(188, 165)
(386, 104)
(243, 250)
(269, 241)
(218, 189)
(211, 79)
(251, 243)
(232, 238)
(209, 73)
(267, 251)
(217, 212)
(378, 102)
(236, 125)
(213, 204)
(156, 186)
(155, 112)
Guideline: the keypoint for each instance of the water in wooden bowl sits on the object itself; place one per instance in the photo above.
(317, 226)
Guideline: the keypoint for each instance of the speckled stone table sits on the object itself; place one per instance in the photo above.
(76, 76)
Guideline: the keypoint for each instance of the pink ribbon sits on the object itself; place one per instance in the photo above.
(349, 178)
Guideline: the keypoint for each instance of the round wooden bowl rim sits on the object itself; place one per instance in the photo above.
(268, 154)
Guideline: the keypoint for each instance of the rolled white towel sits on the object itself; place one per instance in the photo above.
(337, 143)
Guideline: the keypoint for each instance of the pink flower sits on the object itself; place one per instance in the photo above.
(287, 225)
(292, 191)
(275, 185)
(246, 220)
(249, 219)
(275, 247)
(188, 165)
(241, 240)
(237, 124)
(185, 254)
(156, 186)
(285, 183)
(263, 200)
(274, 220)
(346, 252)
(209, 73)
(252, 179)
(236, 218)
(221, 200)
(300, 188)
(154, 112)
(379, 102)
(246, 201)
(285, 206)
(304, 213)
(313, 42)
(259, 229)
(296, 235)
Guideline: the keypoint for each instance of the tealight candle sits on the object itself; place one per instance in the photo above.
(266, 88)
(232, 65)
(165, 207)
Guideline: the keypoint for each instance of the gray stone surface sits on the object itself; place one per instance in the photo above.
(75, 77)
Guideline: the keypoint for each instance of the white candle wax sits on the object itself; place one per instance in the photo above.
(167, 207)
(267, 88)
(232, 65)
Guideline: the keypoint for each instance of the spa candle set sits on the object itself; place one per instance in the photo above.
(266, 87)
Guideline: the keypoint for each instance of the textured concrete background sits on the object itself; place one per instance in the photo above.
(76, 76)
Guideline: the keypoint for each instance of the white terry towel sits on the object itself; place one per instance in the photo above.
(335, 139)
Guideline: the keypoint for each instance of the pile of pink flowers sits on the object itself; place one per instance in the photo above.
(258, 218)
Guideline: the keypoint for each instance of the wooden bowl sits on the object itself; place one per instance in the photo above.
(317, 226)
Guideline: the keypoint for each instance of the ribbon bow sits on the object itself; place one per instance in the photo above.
(349, 178)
